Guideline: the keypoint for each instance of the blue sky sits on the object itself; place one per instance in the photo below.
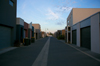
(51, 14)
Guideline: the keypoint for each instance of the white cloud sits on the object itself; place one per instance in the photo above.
(66, 8)
(60, 22)
(51, 15)
(63, 9)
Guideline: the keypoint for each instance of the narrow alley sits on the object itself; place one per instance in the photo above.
(50, 51)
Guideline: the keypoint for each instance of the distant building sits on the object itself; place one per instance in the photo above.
(30, 30)
(66, 34)
(25, 30)
(7, 23)
(37, 28)
(19, 29)
(63, 32)
(43, 34)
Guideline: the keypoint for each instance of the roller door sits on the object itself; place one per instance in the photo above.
(5, 37)
(86, 37)
(74, 37)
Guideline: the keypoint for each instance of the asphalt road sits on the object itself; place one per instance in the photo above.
(50, 52)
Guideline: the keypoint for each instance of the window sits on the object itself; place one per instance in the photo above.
(11, 2)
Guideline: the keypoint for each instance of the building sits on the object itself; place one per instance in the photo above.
(43, 34)
(7, 24)
(63, 32)
(59, 32)
(84, 32)
(76, 15)
(55, 34)
(25, 30)
(66, 34)
(37, 31)
(30, 30)
(34, 33)
(19, 30)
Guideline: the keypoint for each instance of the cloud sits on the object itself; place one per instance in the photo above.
(64, 8)
(52, 15)
(60, 22)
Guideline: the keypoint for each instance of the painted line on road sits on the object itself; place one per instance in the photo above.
(41, 60)
(84, 52)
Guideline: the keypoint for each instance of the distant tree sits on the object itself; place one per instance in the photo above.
(61, 37)
(51, 33)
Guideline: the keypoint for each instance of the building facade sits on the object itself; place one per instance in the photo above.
(86, 32)
(43, 34)
(25, 30)
(19, 29)
(76, 15)
(30, 30)
(37, 28)
(7, 24)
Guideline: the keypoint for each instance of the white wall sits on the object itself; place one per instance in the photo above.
(78, 34)
(20, 21)
(95, 45)
(74, 27)
(30, 25)
(85, 23)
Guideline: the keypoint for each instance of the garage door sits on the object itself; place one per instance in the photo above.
(74, 37)
(5, 37)
(86, 37)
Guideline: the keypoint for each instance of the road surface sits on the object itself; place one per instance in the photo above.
(50, 52)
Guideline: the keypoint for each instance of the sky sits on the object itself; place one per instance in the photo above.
(51, 14)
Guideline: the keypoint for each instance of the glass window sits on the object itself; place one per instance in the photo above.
(11, 2)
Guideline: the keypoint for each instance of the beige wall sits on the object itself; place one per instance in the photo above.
(36, 26)
(37, 29)
(80, 14)
(63, 32)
